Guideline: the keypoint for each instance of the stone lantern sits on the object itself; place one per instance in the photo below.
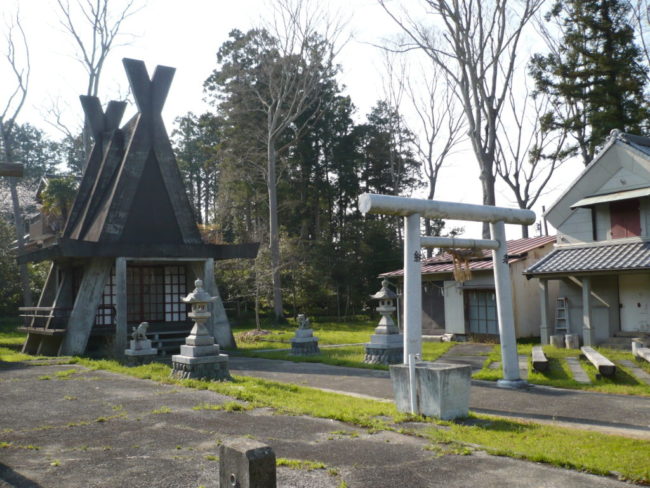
(386, 345)
(199, 357)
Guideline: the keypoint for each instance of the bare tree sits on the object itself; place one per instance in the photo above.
(440, 127)
(17, 57)
(306, 43)
(94, 29)
(641, 23)
(476, 48)
(529, 151)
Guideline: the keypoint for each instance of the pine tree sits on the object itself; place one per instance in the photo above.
(594, 74)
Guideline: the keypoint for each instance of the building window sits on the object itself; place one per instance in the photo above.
(106, 310)
(625, 217)
(481, 311)
(154, 294)
(175, 289)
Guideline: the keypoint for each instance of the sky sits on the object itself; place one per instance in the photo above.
(186, 35)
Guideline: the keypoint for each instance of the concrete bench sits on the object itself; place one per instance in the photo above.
(602, 364)
(643, 353)
(540, 361)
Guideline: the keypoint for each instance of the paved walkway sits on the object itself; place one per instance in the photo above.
(96, 429)
(616, 414)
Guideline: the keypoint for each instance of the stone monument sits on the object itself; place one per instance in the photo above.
(199, 357)
(140, 351)
(386, 344)
(304, 342)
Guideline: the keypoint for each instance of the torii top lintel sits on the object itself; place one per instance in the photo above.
(149, 93)
(393, 205)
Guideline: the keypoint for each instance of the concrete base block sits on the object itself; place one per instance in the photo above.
(200, 368)
(143, 344)
(441, 389)
(139, 359)
(572, 341)
(198, 351)
(246, 463)
(557, 340)
(304, 346)
(304, 333)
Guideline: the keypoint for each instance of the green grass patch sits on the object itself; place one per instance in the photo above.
(10, 355)
(559, 375)
(64, 375)
(567, 448)
(9, 336)
(301, 464)
(226, 407)
(161, 410)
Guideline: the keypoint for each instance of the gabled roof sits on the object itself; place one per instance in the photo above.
(131, 200)
(618, 255)
(622, 164)
(517, 250)
(132, 191)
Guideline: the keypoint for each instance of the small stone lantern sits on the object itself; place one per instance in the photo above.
(199, 357)
(386, 344)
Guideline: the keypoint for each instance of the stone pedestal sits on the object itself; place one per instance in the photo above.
(246, 463)
(199, 357)
(385, 349)
(304, 343)
(386, 345)
(140, 352)
(442, 389)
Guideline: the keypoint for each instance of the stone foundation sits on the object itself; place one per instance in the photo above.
(375, 355)
(304, 347)
(204, 368)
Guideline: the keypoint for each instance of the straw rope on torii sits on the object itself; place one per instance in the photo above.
(461, 258)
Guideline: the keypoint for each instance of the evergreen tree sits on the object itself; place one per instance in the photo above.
(593, 74)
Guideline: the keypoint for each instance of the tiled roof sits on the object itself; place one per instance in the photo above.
(517, 249)
(610, 256)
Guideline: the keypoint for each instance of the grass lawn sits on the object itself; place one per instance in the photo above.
(328, 333)
(356, 332)
(559, 375)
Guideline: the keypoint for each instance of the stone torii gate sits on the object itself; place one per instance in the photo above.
(412, 210)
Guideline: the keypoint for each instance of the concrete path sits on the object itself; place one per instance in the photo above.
(577, 371)
(639, 373)
(616, 414)
(98, 429)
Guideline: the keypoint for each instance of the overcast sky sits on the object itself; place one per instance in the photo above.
(186, 35)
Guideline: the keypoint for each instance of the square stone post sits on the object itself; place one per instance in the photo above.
(121, 325)
(587, 326)
(412, 287)
(543, 311)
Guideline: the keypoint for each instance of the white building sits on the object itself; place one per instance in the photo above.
(602, 257)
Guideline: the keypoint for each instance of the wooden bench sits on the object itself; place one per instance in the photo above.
(602, 364)
(540, 361)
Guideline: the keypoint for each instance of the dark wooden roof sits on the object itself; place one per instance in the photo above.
(132, 194)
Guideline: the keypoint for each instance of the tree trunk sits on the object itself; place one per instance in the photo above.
(487, 185)
(20, 230)
(274, 232)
